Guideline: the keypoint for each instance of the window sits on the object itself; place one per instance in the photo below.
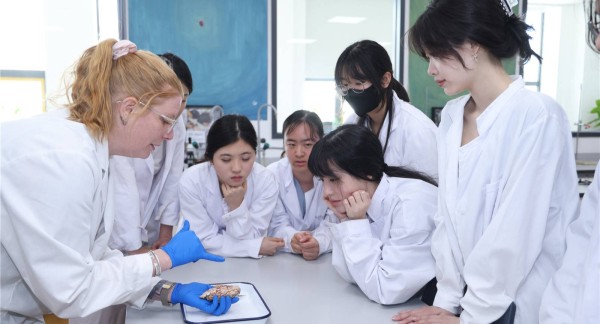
(310, 35)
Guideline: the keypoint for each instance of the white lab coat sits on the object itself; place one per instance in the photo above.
(388, 255)
(230, 233)
(412, 142)
(57, 215)
(143, 201)
(501, 223)
(573, 294)
(288, 220)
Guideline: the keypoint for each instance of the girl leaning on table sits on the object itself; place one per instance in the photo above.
(229, 199)
(301, 210)
(508, 185)
(57, 204)
(382, 242)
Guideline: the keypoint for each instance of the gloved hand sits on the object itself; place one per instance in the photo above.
(185, 247)
(189, 294)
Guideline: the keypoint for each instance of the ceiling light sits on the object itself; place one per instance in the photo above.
(346, 20)
(301, 40)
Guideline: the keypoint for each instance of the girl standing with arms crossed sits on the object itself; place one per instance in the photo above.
(229, 199)
(508, 185)
(300, 210)
(364, 78)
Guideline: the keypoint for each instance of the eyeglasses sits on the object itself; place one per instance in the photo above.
(165, 119)
(342, 90)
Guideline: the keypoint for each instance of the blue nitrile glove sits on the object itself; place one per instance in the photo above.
(185, 247)
(189, 294)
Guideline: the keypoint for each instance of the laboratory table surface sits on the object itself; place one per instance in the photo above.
(295, 290)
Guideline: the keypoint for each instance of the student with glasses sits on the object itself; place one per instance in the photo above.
(364, 78)
(57, 195)
(146, 190)
(229, 198)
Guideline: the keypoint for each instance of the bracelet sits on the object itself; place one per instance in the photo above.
(155, 263)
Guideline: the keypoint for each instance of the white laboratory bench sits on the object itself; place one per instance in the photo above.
(295, 290)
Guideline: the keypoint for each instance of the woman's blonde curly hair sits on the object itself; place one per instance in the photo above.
(98, 80)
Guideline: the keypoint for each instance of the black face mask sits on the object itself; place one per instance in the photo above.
(364, 102)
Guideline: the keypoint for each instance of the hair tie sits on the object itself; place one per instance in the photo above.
(507, 6)
(122, 48)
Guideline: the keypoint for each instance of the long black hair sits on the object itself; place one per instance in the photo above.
(447, 24)
(228, 130)
(357, 151)
(366, 60)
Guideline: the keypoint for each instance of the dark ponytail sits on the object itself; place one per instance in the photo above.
(357, 151)
(402, 172)
(517, 40)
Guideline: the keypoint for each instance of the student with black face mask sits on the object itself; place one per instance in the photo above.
(364, 78)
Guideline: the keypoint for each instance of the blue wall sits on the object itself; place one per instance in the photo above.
(227, 54)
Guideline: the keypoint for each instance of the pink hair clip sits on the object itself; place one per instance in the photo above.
(122, 48)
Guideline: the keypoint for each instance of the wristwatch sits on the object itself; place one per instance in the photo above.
(163, 290)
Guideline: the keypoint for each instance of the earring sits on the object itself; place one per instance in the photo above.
(123, 121)
(474, 56)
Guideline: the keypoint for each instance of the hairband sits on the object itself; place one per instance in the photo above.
(122, 48)
(507, 5)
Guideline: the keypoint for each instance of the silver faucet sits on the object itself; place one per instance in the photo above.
(216, 112)
(260, 149)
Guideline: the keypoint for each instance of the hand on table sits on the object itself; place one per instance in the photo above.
(270, 245)
(428, 314)
(304, 243)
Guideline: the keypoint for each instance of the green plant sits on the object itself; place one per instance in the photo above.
(596, 121)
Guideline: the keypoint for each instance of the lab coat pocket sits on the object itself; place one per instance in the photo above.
(491, 196)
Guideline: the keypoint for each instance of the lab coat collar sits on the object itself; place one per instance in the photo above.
(491, 113)
(395, 119)
(107, 193)
(287, 171)
(451, 146)
(456, 115)
(102, 154)
(288, 182)
(213, 182)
